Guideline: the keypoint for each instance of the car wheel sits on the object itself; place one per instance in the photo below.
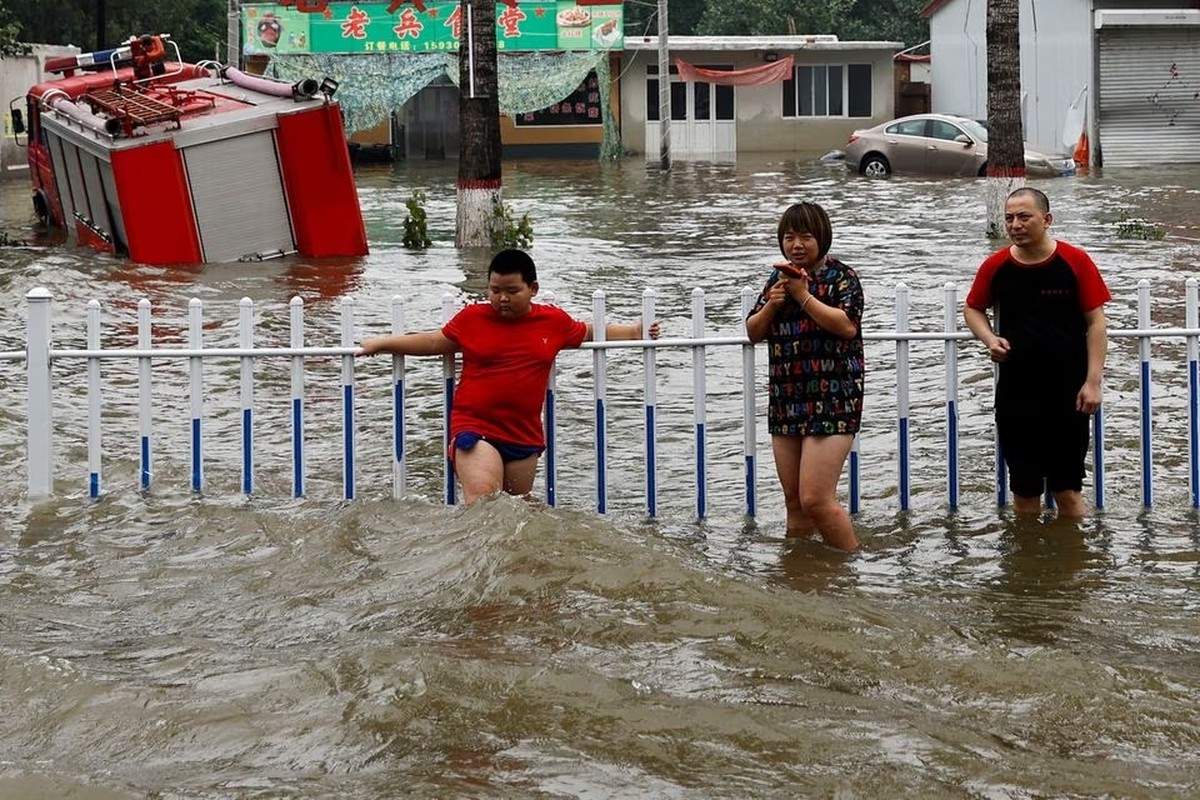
(983, 170)
(875, 166)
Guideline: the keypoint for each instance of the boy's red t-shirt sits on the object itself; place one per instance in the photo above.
(505, 369)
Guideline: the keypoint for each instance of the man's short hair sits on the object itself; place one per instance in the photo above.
(1039, 197)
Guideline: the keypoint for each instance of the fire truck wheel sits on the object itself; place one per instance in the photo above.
(41, 206)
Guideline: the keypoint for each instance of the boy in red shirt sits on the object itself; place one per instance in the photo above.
(1050, 343)
(508, 346)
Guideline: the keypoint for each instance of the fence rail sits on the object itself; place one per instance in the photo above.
(40, 356)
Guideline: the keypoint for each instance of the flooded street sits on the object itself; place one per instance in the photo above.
(173, 646)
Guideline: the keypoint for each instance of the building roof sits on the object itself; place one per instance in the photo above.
(933, 7)
(743, 43)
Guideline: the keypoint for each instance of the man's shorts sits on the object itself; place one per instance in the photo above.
(508, 452)
(1044, 452)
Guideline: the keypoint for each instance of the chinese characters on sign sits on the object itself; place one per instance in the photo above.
(581, 107)
(325, 26)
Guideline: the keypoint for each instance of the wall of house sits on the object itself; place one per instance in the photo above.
(1056, 62)
(17, 75)
(761, 126)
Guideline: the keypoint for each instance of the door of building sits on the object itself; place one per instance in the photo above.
(1149, 85)
(703, 122)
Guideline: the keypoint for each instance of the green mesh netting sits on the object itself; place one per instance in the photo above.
(369, 86)
(372, 85)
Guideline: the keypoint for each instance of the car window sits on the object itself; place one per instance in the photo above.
(944, 130)
(909, 127)
(975, 130)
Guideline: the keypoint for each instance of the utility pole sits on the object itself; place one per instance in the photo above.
(101, 25)
(664, 88)
(233, 34)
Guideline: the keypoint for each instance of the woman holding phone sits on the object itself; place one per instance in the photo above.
(810, 312)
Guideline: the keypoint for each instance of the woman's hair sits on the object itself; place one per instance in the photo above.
(807, 218)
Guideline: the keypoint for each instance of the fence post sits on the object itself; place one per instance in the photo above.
(1192, 317)
(196, 390)
(296, 337)
(951, 358)
(550, 407)
(348, 399)
(1144, 390)
(398, 403)
(40, 421)
(749, 417)
(600, 371)
(246, 342)
(902, 381)
(94, 395)
(145, 394)
(447, 404)
(699, 397)
(650, 400)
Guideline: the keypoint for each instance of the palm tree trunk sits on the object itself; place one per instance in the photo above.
(1006, 148)
(479, 120)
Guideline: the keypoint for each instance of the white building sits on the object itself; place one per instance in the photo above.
(833, 88)
(1124, 71)
(17, 75)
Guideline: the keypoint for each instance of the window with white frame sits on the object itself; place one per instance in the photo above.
(828, 90)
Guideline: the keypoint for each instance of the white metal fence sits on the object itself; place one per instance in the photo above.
(43, 361)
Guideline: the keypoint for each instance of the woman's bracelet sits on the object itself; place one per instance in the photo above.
(805, 303)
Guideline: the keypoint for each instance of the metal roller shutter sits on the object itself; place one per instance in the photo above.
(62, 180)
(245, 168)
(1149, 84)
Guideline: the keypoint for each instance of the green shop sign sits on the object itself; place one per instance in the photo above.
(372, 28)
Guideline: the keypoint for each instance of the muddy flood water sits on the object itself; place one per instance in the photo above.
(170, 645)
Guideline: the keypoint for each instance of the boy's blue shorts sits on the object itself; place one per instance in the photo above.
(508, 452)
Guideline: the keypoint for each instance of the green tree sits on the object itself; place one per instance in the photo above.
(10, 28)
(479, 163)
(197, 26)
(869, 20)
(1006, 149)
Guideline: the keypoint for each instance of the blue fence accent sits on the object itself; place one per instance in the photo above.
(601, 458)
(145, 454)
(247, 451)
(1098, 458)
(197, 480)
(651, 464)
(348, 440)
(551, 423)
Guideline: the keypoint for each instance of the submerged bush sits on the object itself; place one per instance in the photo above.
(510, 232)
(1135, 228)
(416, 228)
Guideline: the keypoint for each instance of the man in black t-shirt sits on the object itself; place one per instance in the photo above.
(1050, 342)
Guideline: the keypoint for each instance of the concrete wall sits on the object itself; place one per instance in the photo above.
(1057, 61)
(17, 74)
(758, 110)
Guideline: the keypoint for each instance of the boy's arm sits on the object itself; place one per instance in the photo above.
(425, 343)
(617, 331)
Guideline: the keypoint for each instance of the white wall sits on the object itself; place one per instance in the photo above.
(759, 109)
(1056, 62)
(17, 75)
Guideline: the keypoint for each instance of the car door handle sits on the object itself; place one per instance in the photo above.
(931, 147)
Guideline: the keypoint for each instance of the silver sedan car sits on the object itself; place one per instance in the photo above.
(937, 144)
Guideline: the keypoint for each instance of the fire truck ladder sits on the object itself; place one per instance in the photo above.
(134, 108)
